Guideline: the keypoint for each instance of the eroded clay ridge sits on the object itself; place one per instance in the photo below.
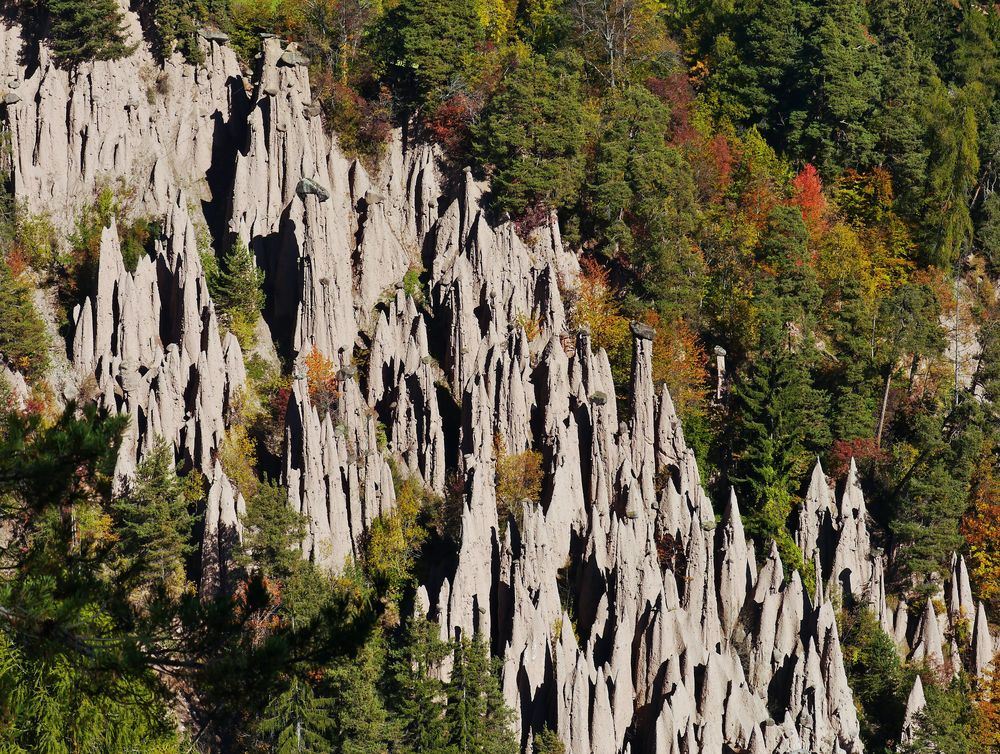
(611, 639)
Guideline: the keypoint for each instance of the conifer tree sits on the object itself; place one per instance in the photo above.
(779, 425)
(297, 721)
(238, 291)
(87, 30)
(856, 380)
(431, 50)
(417, 691)
(532, 133)
(931, 493)
(478, 719)
(876, 676)
(361, 723)
(548, 742)
(947, 723)
(845, 90)
(898, 120)
(274, 532)
(24, 340)
(154, 524)
(641, 197)
(953, 136)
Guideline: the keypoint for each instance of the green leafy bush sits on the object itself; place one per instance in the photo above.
(394, 540)
(518, 478)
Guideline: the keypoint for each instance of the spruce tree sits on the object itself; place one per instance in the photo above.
(898, 120)
(779, 425)
(417, 692)
(789, 293)
(479, 722)
(641, 200)
(87, 30)
(154, 524)
(953, 138)
(931, 492)
(548, 742)
(876, 676)
(238, 290)
(532, 133)
(431, 52)
(361, 722)
(24, 339)
(297, 721)
(834, 130)
(855, 379)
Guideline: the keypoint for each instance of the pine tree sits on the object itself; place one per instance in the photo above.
(548, 742)
(947, 723)
(87, 30)
(361, 723)
(898, 120)
(779, 425)
(774, 48)
(273, 533)
(297, 721)
(876, 676)
(931, 493)
(154, 523)
(845, 90)
(953, 137)
(641, 198)
(855, 383)
(755, 63)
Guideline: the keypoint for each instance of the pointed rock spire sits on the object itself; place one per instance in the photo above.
(982, 642)
(928, 639)
(916, 702)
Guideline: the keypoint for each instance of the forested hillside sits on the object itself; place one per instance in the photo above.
(400, 242)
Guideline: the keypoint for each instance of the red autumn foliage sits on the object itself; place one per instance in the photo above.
(757, 203)
(676, 91)
(279, 405)
(449, 123)
(860, 449)
(722, 156)
(533, 218)
(17, 261)
(810, 200)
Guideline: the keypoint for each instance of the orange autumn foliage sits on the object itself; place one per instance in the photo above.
(321, 377)
(981, 529)
(986, 709)
(598, 307)
(681, 363)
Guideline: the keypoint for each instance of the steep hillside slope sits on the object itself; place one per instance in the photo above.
(627, 615)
